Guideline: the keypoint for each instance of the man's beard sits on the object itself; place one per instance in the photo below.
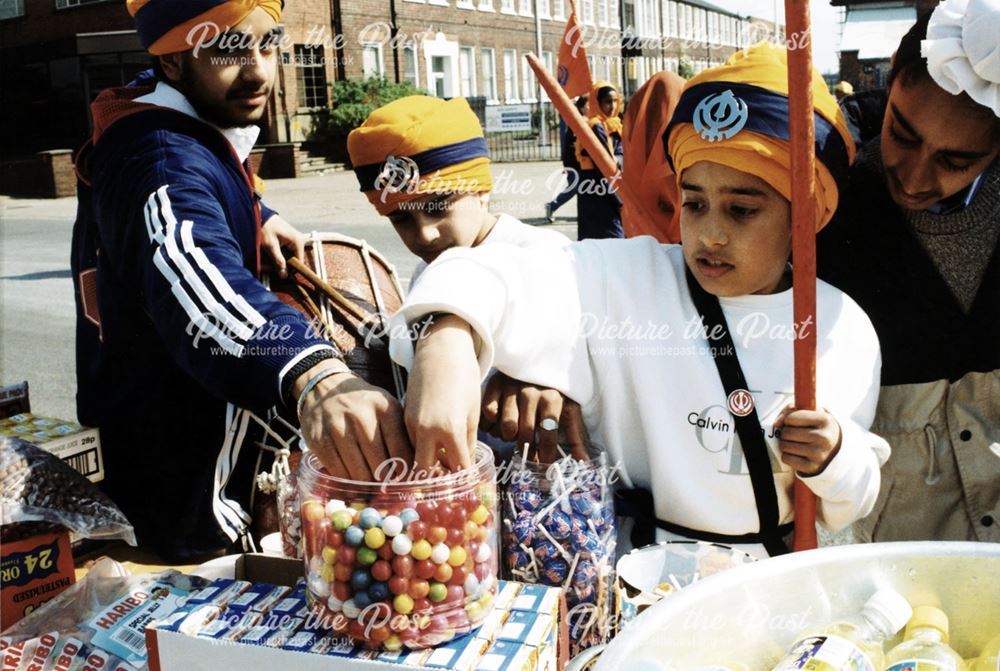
(221, 115)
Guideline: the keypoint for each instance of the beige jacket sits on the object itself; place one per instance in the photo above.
(942, 481)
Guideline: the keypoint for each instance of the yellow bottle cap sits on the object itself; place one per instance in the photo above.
(928, 616)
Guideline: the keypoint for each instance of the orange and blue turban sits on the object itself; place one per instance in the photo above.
(164, 26)
(737, 115)
(416, 146)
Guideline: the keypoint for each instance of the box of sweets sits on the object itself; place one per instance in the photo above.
(260, 618)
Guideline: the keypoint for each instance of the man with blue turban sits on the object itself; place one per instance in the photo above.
(179, 345)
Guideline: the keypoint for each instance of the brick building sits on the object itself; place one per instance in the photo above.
(56, 55)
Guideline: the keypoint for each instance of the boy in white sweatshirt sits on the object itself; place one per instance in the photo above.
(614, 325)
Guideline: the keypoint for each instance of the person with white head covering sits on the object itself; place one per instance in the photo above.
(915, 243)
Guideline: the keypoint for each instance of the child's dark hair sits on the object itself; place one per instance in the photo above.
(604, 92)
(581, 102)
(907, 64)
(910, 67)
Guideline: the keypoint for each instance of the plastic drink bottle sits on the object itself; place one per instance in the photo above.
(990, 659)
(853, 644)
(926, 645)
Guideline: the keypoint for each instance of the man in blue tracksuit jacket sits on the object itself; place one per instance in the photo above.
(178, 342)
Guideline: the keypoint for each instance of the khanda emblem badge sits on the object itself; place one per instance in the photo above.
(720, 116)
(397, 174)
(740, 403)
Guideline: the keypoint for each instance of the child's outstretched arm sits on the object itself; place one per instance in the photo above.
(498, 306)
(442, 397)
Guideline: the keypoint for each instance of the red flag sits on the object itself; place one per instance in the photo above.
(573, 72)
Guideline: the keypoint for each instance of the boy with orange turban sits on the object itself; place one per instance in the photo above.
(423, 163)
(598, 206)
(178, 342)
(680, 356)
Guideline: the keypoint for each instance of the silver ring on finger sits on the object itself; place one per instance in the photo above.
(548, 424)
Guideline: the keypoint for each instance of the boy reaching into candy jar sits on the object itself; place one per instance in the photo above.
(680, 356)
(424, 164)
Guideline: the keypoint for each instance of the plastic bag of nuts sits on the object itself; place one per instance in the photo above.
(37, 486)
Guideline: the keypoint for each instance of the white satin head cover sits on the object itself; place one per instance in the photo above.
(963, 49)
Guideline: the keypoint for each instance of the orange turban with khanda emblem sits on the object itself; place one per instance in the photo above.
(169, 26)
(737, 115)
(419, 145)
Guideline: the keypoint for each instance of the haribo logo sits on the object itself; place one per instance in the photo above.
(720, 116)
(741, 403)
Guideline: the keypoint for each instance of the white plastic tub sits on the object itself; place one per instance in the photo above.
(751, 614)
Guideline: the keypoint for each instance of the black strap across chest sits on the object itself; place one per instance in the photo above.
(771, 532)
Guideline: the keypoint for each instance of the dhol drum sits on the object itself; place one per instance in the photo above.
(349, 290)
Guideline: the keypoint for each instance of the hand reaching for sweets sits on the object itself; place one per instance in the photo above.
(442, 397)
(525, 413)
(351, 426)
(809, 440)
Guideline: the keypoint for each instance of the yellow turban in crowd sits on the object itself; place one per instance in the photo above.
(737, 115)
(419, 145)
(164, 26)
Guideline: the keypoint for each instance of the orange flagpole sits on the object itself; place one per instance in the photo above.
(802, 132)
(585, 135)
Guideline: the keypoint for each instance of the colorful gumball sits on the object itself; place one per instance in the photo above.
(419, 588)
(399, 585)
(417, 530)
(402, 566)
(378, 591)
(421, 550)
(369, 518)
(457, 556)
(374, 538)
(381, 570)
(437, 534)
(424, 568)
(402, 545)
(439, 553)
(403, 603)
(392, 526)
(367, 556)
(437, 593)
(443, 572)
(354, 536)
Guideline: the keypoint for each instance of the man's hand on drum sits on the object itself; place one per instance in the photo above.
(351, 426)
(442, 396)
(279, 238)
(541, 417)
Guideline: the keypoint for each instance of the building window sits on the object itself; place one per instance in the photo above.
(507, 7)
(411, 71)
(467, 71)
(489, 71)
(527, 81)
(607, 67)
(526, 8)
(486, 6)
(10, 9)
(603, 14)
(543, 9)
(549, 63)
(559, 9)
(465, 4)
(310, 75)
(510, 75)
(615, 23)
(438, 77)
(371, 61)
(588, 12)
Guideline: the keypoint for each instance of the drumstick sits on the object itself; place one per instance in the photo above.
(597, 152)
(802, 131)
(331, 293)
